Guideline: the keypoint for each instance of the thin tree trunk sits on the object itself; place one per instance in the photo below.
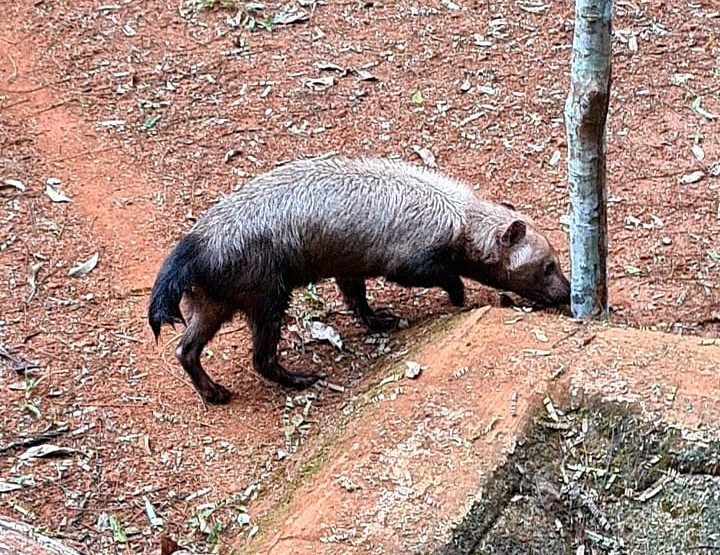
(585, 117)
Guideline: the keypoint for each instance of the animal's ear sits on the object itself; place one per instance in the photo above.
(514, 233)
(508, 205)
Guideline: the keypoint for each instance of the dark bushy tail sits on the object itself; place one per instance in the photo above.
(174, 278)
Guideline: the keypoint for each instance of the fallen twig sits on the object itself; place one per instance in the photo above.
(565, 337)
(17, 365)
(23, 91)
(79, 510)
(21, 101)
(52, 107)
(81, 154)
(14, 73)
(35, 440)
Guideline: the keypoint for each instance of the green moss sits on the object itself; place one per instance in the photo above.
(596, 478)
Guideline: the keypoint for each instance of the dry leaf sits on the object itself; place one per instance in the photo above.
(289, 17)
(144, 441)
(168, 546)
(452, 6)
(425, 155)
(698, 152)
(470, 118)
(632, 270)
(555, 158)
(55, 195)
(14, 184)
(329, 66)
(85, 267)
(320, 83)
(537, 352)
(46, 450)
(695, 105)
(692, 177)
(32, 279)
(633, 44)
(412, 369)
(112, 123)
(533, 7)
(681, 78)
(155, 520)
(8, 486)
(364, 75)
(323, 332)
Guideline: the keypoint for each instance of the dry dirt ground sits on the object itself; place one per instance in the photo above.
(148, 111)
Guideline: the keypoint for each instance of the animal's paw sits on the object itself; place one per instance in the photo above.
(295, 380)
(217, 395)
(469, 308)
(302, 380)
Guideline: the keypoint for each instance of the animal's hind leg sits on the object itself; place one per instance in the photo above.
(355, 295)
(205, 321)
(265, 321)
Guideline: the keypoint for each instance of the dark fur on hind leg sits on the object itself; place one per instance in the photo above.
(205, 320)
(265, 322)
(355, 295)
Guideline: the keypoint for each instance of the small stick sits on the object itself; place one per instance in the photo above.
(21, 101)
(231, 330)
(567, 336)
(81, 154)
(14, 73)
(23, 91)
(35, 440)
(51, 107)
(19, 366)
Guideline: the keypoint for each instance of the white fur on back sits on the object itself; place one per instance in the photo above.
(426, 176)
(389, 207)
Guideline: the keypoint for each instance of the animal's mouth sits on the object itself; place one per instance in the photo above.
(547, 301)
(539, 302)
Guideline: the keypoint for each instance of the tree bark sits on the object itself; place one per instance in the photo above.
(586, 112)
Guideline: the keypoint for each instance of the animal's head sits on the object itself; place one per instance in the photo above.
(517, 257)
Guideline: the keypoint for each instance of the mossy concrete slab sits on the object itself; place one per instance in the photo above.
(419, 458)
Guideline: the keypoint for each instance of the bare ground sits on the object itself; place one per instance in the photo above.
(147, 112)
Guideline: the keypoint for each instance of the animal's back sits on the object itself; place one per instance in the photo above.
(339, 215)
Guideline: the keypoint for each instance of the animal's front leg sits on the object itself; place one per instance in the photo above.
(355, 295)
(432, 268)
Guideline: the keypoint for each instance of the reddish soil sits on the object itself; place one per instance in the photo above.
(401, 478)
(136, 107)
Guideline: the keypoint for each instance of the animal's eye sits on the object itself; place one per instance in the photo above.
(549, 268)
